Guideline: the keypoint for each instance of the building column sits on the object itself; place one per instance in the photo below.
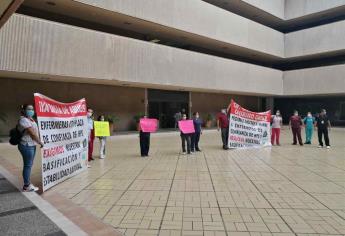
(190, 105)
(270, 104)
(146, 103)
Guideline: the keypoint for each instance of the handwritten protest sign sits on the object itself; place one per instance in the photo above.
(148, 125)
(186, 126)
(63, 130)
(101, 128)
(247, 128)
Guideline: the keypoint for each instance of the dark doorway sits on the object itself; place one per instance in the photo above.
(163, 105)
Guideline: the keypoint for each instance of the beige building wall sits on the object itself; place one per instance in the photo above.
(299, 8)
(320, 39)
(44, 48)
(327, 80)
(200, 18)
(123, 102)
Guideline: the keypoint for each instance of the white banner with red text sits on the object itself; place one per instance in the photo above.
(248, 129)
(63, 130)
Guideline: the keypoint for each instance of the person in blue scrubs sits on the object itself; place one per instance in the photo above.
(309, 122)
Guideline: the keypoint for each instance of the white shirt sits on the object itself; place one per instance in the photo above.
(24, 124)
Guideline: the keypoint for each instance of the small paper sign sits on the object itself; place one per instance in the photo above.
(102, 128)
(148, 125)
(186, 126)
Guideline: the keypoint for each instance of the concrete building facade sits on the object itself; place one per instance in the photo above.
(160, 56)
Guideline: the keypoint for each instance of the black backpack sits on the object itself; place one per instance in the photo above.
(15, 136)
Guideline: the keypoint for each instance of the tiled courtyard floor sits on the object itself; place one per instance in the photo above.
(286, 190)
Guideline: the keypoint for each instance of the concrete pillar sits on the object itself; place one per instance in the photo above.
(146, 103)
(190, 105)
(269, 104)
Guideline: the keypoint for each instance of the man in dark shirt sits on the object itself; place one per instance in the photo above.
(323, 124)
(223, 125)
(196, 136)
(296, 126)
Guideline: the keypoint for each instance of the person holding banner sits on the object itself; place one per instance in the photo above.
(185, 137)
(27, 146)
(196, 136)
(295, 124)
(102, 140)
(91, 133)
(223, 125)
(144, 138)
(277, 123)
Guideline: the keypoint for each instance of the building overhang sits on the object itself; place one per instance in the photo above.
(7, 8)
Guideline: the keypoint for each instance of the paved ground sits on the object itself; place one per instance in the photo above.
(19, 216)
(287, 190)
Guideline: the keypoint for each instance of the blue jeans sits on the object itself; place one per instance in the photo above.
(28, 154)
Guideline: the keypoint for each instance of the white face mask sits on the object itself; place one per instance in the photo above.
(309, 115)
(278, 114)
(197, 116)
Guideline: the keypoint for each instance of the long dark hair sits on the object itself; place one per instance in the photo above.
(23, 108)
(99, 117)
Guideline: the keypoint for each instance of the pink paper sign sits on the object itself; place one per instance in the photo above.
(148, 125)
(186, 126)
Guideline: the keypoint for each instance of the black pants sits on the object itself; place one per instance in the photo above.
(186, 138)
(144, 143)
(195, 141)
(323, 131)
(225, 137)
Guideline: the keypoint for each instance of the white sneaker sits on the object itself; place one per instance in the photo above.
(88, 166)
(101, 157)
(184, 153)
(30, 188)
(328, 147)
(320, 146)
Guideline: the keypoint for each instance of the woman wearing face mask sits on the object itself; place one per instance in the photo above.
(196, 136)
(102, 141)
(27, 146)
(91, 134)
(277, 122)
(309, 122)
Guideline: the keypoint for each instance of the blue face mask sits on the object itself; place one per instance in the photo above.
(30, 113)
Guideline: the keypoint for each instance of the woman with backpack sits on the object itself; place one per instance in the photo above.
(27, 144)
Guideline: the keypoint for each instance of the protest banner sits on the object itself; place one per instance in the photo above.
(63, 130)
(186, 126)
(247, 128)
(148, 125)
(102, 128)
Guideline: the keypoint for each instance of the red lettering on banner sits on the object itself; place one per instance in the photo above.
(236, 138)
(53, 151)
(47, 107)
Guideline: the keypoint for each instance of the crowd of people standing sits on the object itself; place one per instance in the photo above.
(29, 135)
(320, 122)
